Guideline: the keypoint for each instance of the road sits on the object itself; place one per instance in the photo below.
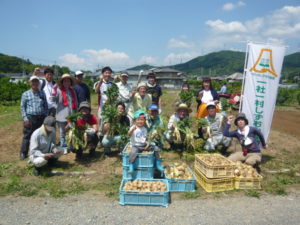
(96, 209)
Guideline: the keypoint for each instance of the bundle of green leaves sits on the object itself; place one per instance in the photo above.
(75, 137)
(186, 97)
(187, 135)
(225, 104)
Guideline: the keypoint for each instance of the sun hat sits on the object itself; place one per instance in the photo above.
(33, 78)
(142, 84)
(84, 104)
(64, 76)
(78, 73)
(241, 116)
(49, 122)
(138, 113)
(184, 106)
(210, 104)
(124, 74)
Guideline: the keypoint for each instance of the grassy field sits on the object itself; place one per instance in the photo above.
(106, 173)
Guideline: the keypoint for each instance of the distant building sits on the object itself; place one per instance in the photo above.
(16, 77)
(235, 77)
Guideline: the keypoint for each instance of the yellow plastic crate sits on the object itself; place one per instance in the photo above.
(248, 182)
(214, 171)
(214, 185)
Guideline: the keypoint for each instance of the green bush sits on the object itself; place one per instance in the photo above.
(287, 96)
(10, 92)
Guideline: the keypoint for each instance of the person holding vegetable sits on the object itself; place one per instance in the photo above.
(43, 150)
(246, 135)
(154, 89)
(214, 130)
(34, 109)
(87, 123)
(204, 96)
(109, 139)
(140, 101)
(182, 113)
(139, 141)
(185, 96)
(66, 100)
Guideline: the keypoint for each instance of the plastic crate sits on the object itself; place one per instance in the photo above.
(248, 182)
(139, 173)
(214, 185)
(214, 171)
(144, 197)
(142, 159)
(182, 185)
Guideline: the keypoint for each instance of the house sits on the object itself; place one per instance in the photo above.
(16, 77)
(235, 77)
(166, 77)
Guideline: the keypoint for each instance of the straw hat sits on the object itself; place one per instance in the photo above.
(185, 107)
(64, 76)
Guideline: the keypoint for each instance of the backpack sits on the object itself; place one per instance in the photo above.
(44, 83)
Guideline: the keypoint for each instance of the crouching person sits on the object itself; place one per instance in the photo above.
(87, 128)
(138, 141)
(42, 149)
(246, 135)
(214, 130)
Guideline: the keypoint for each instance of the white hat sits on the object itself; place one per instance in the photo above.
(211, 104)
(77, 73)
(33, 78)
(124, 74)
(142, 85)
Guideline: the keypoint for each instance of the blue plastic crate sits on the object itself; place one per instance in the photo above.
(139, 173)
(142, 160)
(144, 197)
(182, 185)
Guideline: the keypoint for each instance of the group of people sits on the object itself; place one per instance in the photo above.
(48, 104)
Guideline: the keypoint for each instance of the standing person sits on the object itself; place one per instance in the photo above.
(34, 109)
(246, 135)
(141, 100)
(66, 104)
(205, 95)
(81, 89)
(125, 91)
(42, 146)
(102, 86)
(223, 89)
(47, 85)
(154, 89)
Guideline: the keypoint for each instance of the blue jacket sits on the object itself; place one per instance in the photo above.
(253, 132)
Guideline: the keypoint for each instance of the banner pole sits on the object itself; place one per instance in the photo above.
(244, 75)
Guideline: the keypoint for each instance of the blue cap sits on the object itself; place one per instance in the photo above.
(138, 113)
(153, 107)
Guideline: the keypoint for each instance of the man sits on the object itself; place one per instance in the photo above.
(81, 89)
(42, 146)
(154, 89)
(153, 119)
(125, 91)
(47, 85)
(223, 89)
(34, 109)
(102, 86)
(215, 128)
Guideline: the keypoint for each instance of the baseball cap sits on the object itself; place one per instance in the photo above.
(49, 122)
(33, 78)
(138, 113)
(124, 74)
(153, 107)
(211, 104)
(78, 73)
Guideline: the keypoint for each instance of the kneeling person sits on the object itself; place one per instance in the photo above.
(216, 122)
(42, 149)
(138, 141)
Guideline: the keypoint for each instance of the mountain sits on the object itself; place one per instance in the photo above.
(226, 62)
(142, 67)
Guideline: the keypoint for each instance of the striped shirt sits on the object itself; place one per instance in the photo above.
(33, 103)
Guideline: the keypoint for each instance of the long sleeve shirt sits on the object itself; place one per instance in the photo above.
(140, 103)
(253, 132)
(82, 93)
(33, 103)
(41, 142)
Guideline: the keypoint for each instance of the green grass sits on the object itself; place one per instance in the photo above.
(253, 193)
(190, 195)
(9, 115)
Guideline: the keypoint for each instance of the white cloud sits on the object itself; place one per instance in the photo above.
(90, 59)
(220, 26)
(174, 43)
(231, 6)
(147, 60)
(174, 58)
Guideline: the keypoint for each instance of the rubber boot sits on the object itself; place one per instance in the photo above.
(63, 142)
(131, 168)
(159, 166)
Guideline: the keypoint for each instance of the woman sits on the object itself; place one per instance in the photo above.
(246, 135)
(112, 140)
(66, 100)
(204, 96)
(141, 100)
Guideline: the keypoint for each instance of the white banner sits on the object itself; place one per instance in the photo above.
(262, 76)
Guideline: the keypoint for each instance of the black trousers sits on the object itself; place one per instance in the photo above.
(36, 122)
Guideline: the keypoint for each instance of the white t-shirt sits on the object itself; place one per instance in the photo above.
(207, 97)
(139, 137)
(48, 88)
(124, 92)
(103, 88)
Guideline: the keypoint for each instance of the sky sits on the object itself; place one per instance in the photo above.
(90, 34)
